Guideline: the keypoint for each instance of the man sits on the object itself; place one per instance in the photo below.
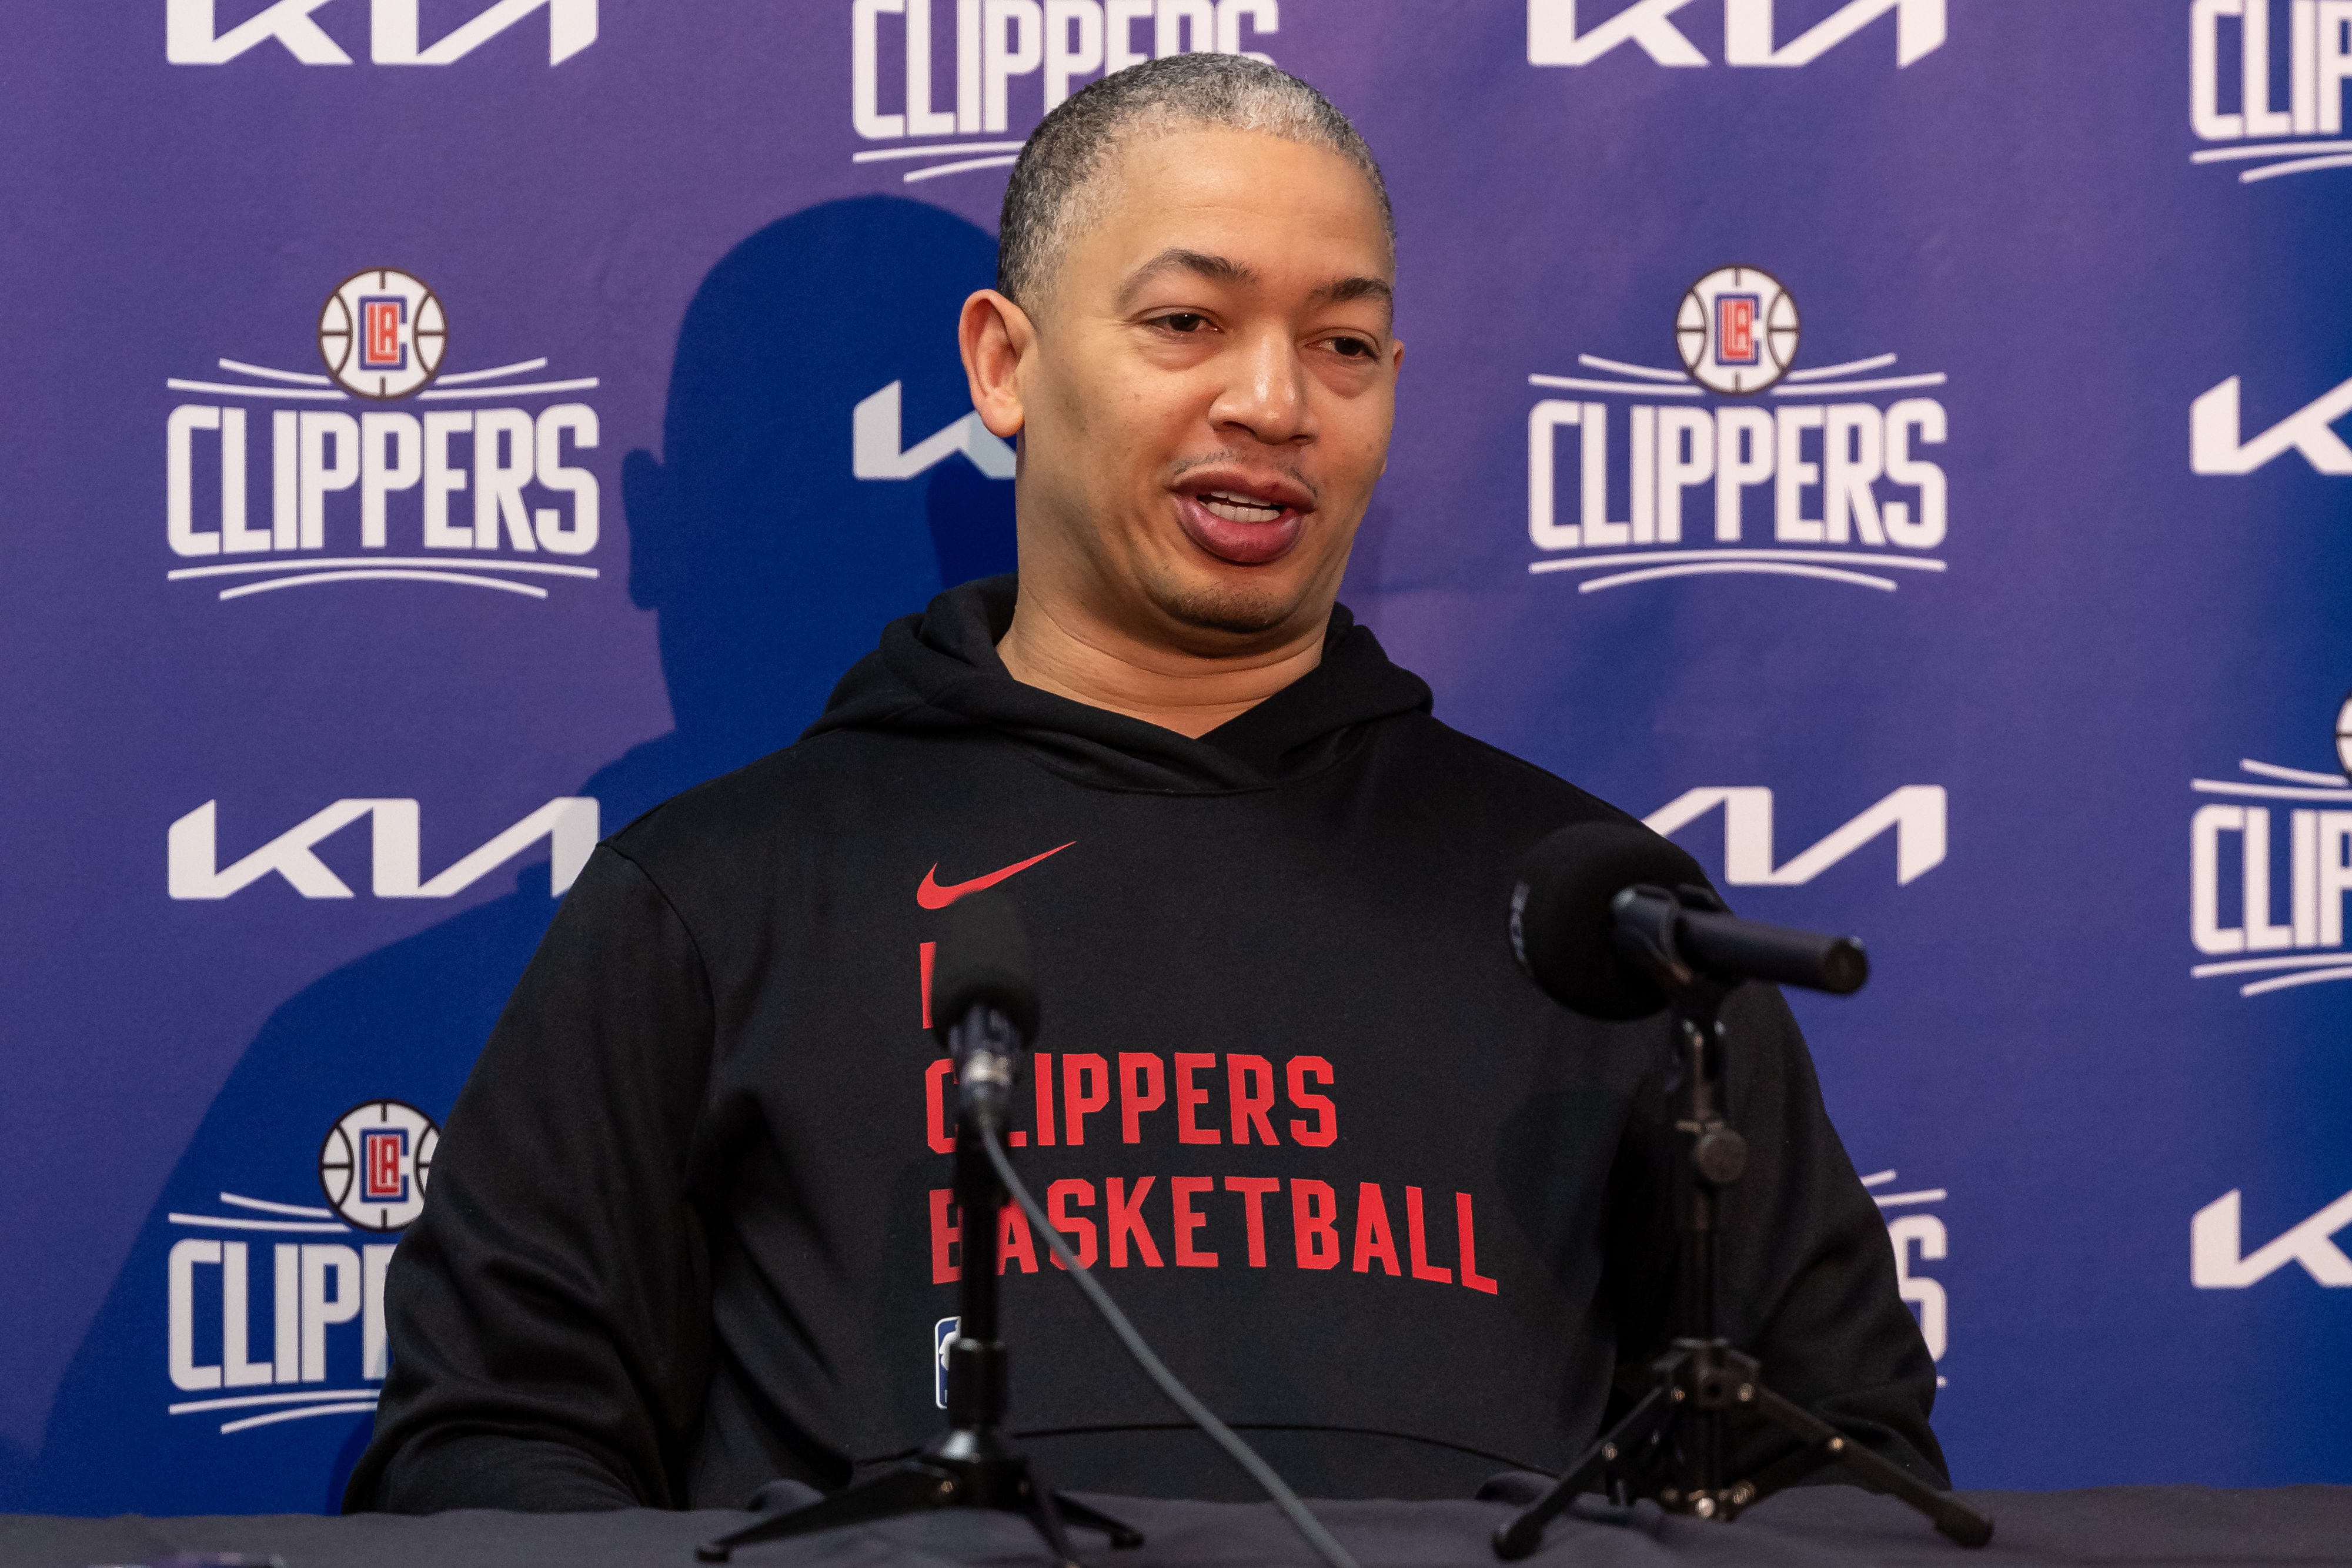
(1362, 1185)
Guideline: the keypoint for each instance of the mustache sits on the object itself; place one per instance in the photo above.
(1230, 457)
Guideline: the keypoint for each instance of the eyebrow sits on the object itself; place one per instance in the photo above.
(1347, 289)
(1224, 269)
(1175, 259)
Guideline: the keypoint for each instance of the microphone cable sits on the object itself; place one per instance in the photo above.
(1325, 1545)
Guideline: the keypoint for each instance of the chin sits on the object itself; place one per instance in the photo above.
(1249, 609)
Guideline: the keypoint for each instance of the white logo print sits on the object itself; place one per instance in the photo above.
(1750, 29)
(190, 38)
(874, 438)
(2249, 110)
(2240, 915)
(382, 336)
(374, 1168)
(1918, 1238)
(999, 42)
(1913, 814)
(2214, 1263)
(568, 823)
(2214, 432)
(1834, 470)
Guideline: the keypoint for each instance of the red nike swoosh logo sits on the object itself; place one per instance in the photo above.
(931, 895)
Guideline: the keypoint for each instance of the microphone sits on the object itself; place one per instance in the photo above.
(984, 1001)
(1601, 909)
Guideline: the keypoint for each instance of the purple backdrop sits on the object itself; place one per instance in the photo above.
(1894, 442)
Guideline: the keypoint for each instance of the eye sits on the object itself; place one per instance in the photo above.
(1354, 348)
(1186, 322)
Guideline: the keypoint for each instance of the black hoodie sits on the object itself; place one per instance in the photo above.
(1371, 1193)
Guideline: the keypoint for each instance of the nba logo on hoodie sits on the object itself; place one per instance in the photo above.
(943, 1334)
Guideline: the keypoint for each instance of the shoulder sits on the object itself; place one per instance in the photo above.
(731, 820)
(1465, 770)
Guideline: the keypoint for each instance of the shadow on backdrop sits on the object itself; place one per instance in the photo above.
(773, 568)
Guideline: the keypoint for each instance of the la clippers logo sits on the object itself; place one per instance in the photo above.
(2278, 123)
(1817, 468)
(375, 1162)
(387, 348)
(2287, 834)
(1013, 64)
(274, 1311)
(455, 492)
(382, 333)
(383, 1164)
(1737, 330)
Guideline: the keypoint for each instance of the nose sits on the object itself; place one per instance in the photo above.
(1266, 394)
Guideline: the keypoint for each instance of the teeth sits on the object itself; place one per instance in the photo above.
(1236, 509)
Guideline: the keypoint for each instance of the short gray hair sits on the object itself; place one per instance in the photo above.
(1052, 194)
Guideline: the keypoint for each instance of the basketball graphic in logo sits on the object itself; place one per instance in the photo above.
(382, 333)
(2344, 736)
(375, 1162)
(1736, 330)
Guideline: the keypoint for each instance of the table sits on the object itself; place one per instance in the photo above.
(1817, 1527)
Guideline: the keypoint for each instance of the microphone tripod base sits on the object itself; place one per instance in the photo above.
(1668, 1448)
(969, 1465)
(960, 1468)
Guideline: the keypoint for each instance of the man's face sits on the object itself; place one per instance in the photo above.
(1206, 401)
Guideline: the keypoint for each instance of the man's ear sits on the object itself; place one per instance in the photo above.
(1396, 364)
(997, 339)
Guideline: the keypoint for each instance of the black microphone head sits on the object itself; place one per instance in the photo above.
(984, 958)
(1563, 929)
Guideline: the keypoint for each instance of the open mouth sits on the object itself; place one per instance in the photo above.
(1236, 525)
(1240, 509)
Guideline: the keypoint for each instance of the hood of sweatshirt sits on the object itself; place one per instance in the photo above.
(938, 674)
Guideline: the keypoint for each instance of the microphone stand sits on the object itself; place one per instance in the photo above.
(1671, 1445)
(972, 1464)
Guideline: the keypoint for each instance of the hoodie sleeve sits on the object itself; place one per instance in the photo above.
(1806, 1280)
(548, 1314)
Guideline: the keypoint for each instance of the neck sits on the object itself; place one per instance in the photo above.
(1061, 649)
